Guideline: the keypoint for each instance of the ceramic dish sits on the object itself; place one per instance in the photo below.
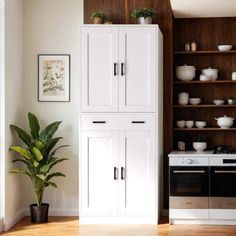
(224, 48)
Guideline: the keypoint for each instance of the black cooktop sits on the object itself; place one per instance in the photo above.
(222, 149)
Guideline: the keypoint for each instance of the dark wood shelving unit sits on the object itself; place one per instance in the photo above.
(205, 129)
(208, 33)
(205, 106)
(231, 52)
(206, 82)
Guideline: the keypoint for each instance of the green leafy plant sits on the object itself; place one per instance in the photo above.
(143, 12)
(99, 14)
(201, 138)
(38, 156)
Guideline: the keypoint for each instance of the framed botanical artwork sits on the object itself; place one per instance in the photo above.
(53, 77)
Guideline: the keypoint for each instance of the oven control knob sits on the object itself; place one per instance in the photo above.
(189, 161)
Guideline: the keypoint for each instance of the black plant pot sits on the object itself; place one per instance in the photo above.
(39, 214)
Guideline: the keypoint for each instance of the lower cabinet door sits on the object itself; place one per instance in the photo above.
(137, 163)
(99, 178)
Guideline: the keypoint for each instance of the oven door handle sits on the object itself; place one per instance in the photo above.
(189, 171)
(225, 171)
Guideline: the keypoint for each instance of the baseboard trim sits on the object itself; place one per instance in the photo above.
(6, 225)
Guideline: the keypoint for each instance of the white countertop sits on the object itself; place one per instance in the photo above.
(198, 154)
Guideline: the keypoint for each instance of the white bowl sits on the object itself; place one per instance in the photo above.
(180, 123)
(194, 101)
(205, 78)
(185, 73)
(218, 102)
(213, 73)
(200, 124)
(224, 48)
(225, 122)
(199, 146)
(189, 123)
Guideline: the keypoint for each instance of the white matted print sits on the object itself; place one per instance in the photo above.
(54, 77)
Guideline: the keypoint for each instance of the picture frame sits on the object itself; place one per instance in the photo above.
(54, 77)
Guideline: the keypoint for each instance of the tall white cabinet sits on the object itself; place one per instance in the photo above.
(120, 124)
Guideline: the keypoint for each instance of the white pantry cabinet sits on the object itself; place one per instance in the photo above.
(121, 124)
(119, 176)
(119, 68)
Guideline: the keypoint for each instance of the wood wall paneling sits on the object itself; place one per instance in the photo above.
(119, 12)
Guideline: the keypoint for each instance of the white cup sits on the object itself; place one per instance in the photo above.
(189, 123)
(234, 75)
(181, 123)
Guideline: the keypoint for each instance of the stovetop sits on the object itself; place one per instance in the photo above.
(222, 149)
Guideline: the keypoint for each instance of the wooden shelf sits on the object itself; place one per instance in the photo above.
(206, 82)
(232, 52)
(204, 106)
(204, 129)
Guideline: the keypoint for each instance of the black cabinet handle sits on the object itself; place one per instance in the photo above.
(99, 122)
(138, 122)
(122, 173)
(115, 173)
(115, 69)
(122, 69)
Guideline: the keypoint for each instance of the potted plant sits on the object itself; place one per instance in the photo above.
(144, 15)
(98, 17)
(200, 143)
(39, 160)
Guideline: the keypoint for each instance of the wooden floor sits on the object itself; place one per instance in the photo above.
(69, 226)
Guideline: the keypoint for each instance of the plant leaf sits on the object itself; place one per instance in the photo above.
(20, 171)
(34, 125)
(49, 131)
(52, 184)
(55, 174)
(41, 176)
(54, 151)
(44, 169)
(37, 154)
(22, 152)
(21, 160)
(56, 162)
(35, 164)
(51, 144)
(24, 136)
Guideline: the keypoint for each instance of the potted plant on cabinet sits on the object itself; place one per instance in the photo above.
(39, 159)
(200, 143)
(144, 15)
(98, 17)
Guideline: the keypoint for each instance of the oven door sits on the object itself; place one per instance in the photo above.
(189, 181)
(223, 181)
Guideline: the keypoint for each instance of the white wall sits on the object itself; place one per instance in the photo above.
(2, 129)
(52, 26)
(14, 103)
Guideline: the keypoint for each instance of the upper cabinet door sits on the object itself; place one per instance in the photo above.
(137, 55)
(99, 69)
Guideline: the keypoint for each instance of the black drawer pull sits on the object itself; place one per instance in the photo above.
(115, 173)
(99, 122)
(138, 122)
(229, 160)
(115, 69)
(122, 173)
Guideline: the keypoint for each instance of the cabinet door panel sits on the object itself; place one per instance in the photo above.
(99, 84)
(99, 188)
(137, 191)
(137, 50)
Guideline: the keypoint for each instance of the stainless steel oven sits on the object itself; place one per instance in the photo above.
(223, 182)
(189, 183)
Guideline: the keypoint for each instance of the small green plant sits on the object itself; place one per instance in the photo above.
(143, 12)
(99, 14)
(201, 138)
(39, 155)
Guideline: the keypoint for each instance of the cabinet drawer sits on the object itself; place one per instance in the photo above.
(222, 203)
(189, 202)
(117, 122)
